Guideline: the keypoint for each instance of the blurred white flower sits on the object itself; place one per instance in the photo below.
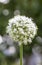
(3, 46)
(1, 40)
(5, 12)
(10, 51)
(21, 29)
(16, 12)
(4, 1)
(7, 40)
(35, 58)
(37, 50)
(39, 39)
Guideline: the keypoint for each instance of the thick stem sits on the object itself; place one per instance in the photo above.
(21, 54)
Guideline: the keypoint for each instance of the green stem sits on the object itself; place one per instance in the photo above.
(21, 54)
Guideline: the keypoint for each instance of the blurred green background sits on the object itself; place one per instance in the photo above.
(30, 8)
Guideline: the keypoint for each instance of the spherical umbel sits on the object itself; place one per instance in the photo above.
(21, 29)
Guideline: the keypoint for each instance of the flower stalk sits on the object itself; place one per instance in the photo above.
(21, 54)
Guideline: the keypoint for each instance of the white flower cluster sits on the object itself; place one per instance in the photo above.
(21, 29)
(1, 40)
